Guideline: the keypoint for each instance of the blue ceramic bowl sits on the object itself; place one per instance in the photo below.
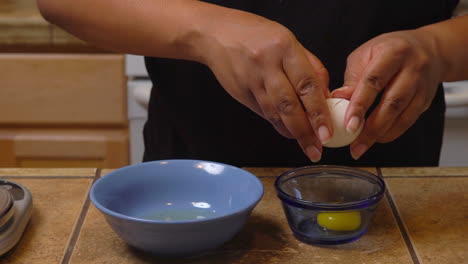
(177, 207)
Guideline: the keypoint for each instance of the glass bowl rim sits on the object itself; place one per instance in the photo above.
(359, 204)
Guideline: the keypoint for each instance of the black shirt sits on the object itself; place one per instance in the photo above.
(192, 116)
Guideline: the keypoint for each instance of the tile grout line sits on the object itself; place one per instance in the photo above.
(266, 176)
(425, 176)
(79, 223)
(401, 226)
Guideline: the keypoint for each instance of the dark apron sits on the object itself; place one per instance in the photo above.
(191, 116)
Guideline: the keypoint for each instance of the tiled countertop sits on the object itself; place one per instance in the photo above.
(22, 26)
(423, 219)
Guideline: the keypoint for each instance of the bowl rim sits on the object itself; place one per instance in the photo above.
(359, 204)
(107, 211)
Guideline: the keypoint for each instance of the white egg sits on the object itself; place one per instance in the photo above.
(341, 137)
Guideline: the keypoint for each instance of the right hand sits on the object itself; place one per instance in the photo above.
(261, 64)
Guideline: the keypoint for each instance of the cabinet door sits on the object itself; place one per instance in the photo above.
(61, 148)
(63, 89)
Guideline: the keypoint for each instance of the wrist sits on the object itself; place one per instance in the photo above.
(435, 47)
(451, 38)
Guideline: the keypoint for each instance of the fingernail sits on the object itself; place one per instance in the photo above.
(323, 134)
(353, 125)
(357, 151)
(314, 154)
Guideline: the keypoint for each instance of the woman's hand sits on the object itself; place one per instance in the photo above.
(402, 65)
(262, 65)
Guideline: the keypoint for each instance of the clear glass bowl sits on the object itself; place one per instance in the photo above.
(328, 205)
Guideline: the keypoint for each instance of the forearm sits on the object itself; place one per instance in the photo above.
(451, 38)
(159, 28)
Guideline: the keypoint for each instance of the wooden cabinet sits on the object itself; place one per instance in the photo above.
(74, 147)
(63, 110)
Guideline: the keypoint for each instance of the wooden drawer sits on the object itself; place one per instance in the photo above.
(39, 89)
(97, 148)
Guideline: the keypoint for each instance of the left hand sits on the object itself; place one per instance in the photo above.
(406, 68)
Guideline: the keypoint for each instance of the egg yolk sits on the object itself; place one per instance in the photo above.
(339, 221)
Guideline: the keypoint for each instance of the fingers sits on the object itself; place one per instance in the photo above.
(320, 72)
(269, 112)
(344, 92)
(290, 110)
(355, 68)
(309, 80)
(394, 102)
(395, 64)
(405, 120)
(368, 84)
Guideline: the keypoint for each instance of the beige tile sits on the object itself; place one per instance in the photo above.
(369, 169)
(61, 37)
(425, 171)
(265, 239)
(105, 171)
(56, 207)
(435, 212)
(262, 172)
(5, 172)
(259, 171)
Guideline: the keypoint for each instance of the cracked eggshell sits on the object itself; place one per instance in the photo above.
(341, 137)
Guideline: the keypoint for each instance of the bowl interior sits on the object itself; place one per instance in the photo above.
(176, 190)
(330, 187)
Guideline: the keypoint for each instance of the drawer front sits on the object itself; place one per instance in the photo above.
(59, 148)
(61, 89)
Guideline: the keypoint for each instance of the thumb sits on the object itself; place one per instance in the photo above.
(344, 92)
(354, 70)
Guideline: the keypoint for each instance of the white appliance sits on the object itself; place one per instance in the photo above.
(139, 89)
(455, 144)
